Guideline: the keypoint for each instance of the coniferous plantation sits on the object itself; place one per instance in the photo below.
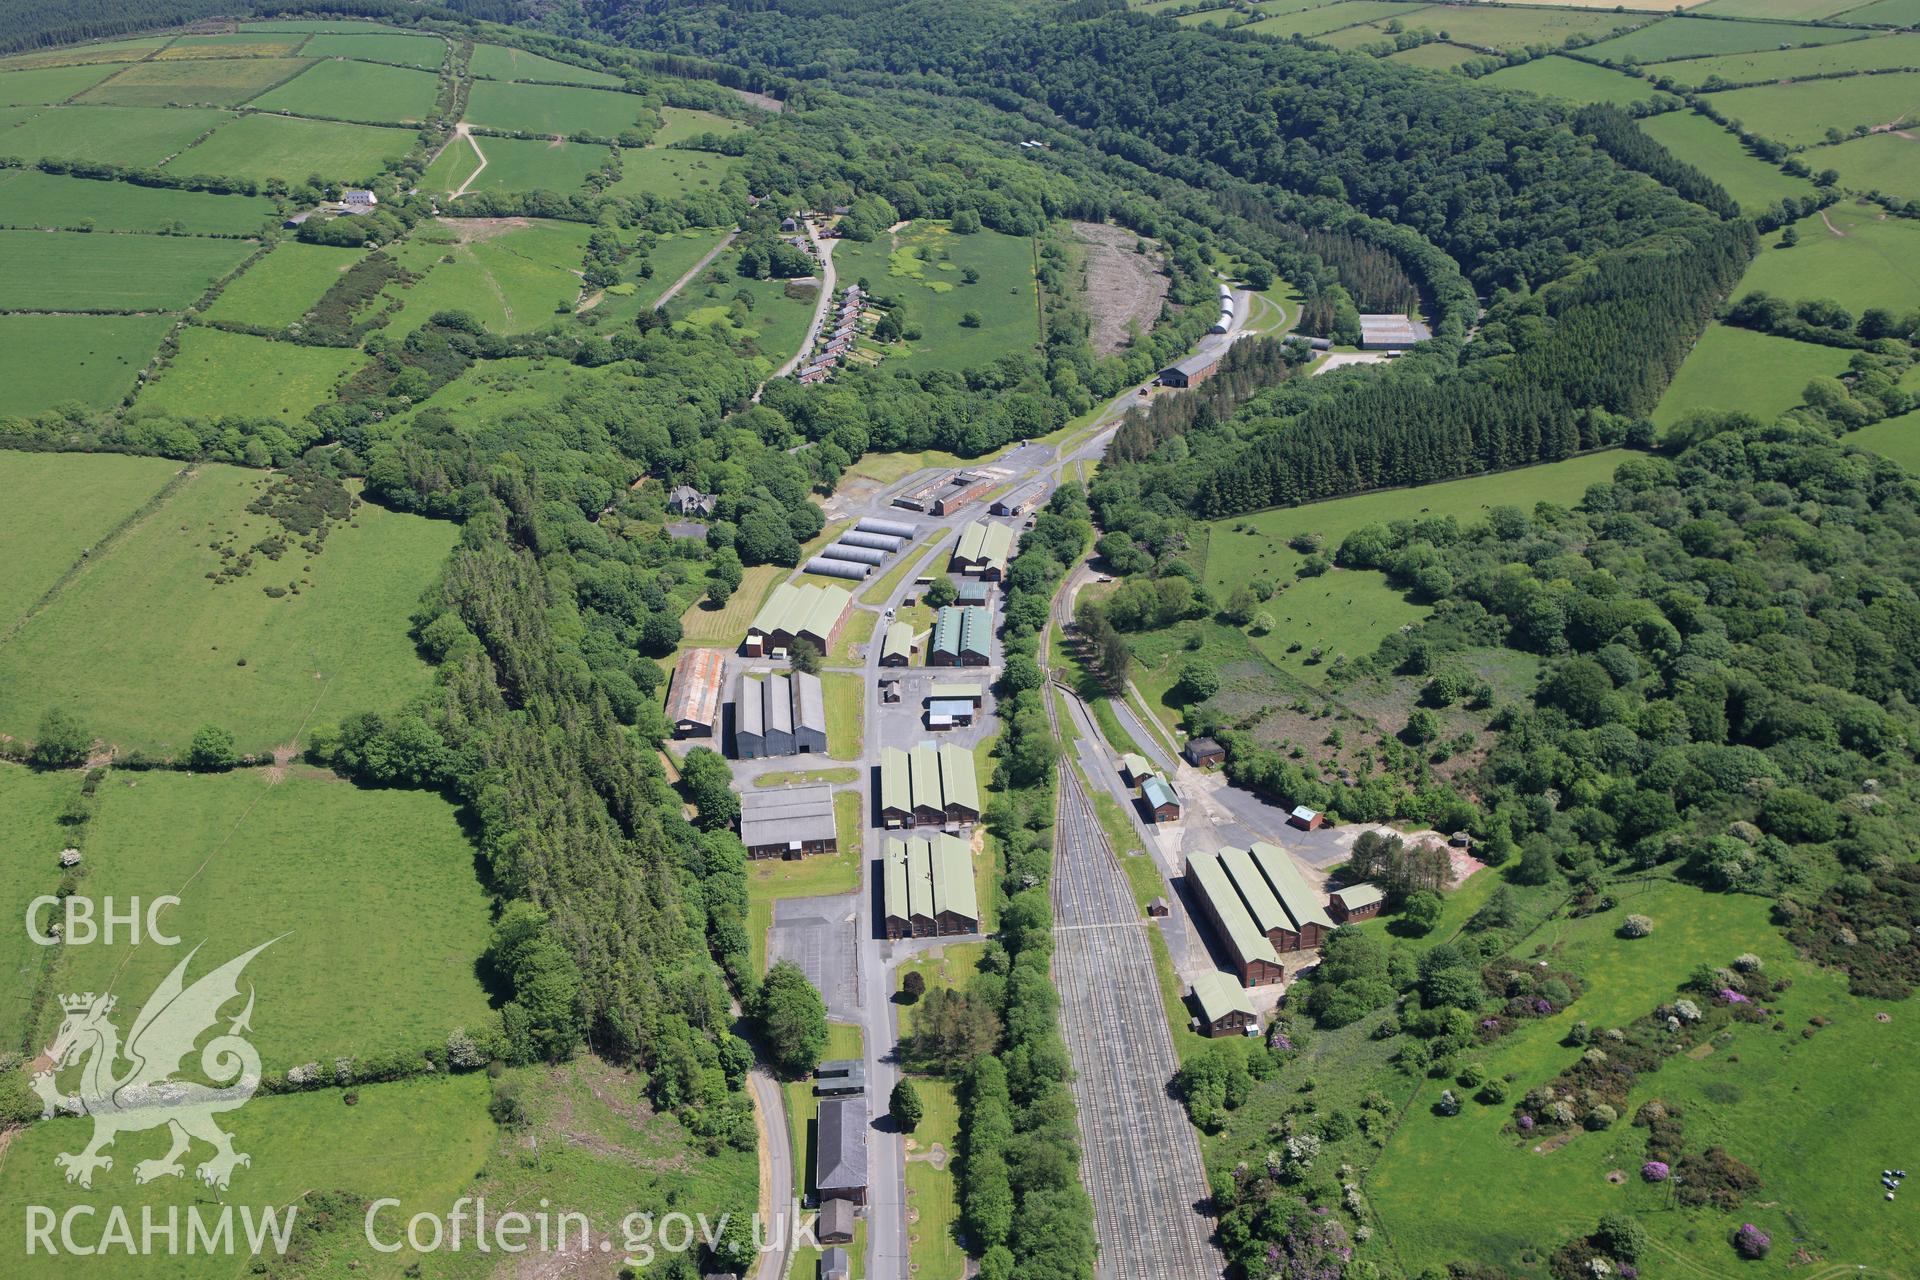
(386, 477)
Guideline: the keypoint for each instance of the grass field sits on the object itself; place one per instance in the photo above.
(421, 1142)
(1739, 369)
(49, 84)
(144, 649)
(932, 1193)
(911, 558)
(74, 271)
(1873, 262)
(552, 109)
(776, 323)
(29, 198)
(75, 55)
(235, 44)
(1718, 154)
(1571, 81)
(490, 390)
(728, 624)
(499, 62)
(518, 164)
(1517, 28)
(834, 775)
(770, 879)
(284, 285)
(374, 892)
(425, 52)
(1784, 64)
(1895, 438)
(218, 82)
(31, 838)
(133, 136)
(48, 360)
(1884, 162)
(1681, 37)
(1438, 56)
(59, 505)
(846, 697)
(512, 274)
(671, 174)
(925, 265)
(677, 124)
(1349, 610)
(1896, 13)
(1807, 10)
(267, 146)
(216, 373)
(671, 257)
(364, 91)
(1800, 114)
(1324, 18)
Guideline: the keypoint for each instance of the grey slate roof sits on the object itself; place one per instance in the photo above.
(841, 1158)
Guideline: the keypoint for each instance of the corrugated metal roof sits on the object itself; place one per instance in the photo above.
(842, 1145)
(923, 763)
(1219, 995)
(953, 877)
(898, 640)
(809, 702)
(1266, 910)
(956, 689)
(984, 543)
(1136, 766)
(696, 687)
(951, 708)
(1295, 894)
(1246, 941)
(812, 608)
(956, 773)
(779, 696)
(920, 877)
(749, 710)
(893, 889)
(787, 815)
(1361, 895)
(896, 783)
(1157, 791)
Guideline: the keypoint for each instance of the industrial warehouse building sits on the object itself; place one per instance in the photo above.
(693, 704)
(1259, 903)
(1355, 902)
(896, 645)
(928, 786)
(928, 890)
(1221, 1005)
(779, 714)
(893, 528)
(1021, 500)
(840, 1158)
(1391, 332)
(1192, 371)
(962, 637)
(984, 549)
(788, 822)
(792, 612)
(946, 494)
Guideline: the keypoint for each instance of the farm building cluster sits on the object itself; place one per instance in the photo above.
(928, 890)
(837, 336)
(1259, 905)
(862, 549)
(928, 786)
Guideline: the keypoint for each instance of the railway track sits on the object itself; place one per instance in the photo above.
(1141, 1163)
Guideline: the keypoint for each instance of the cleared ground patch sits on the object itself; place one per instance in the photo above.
(144, 648)
(363, 91)
(520, 164)
(1785, 64)
(514, 274)
(677, 124)
(210, 82)
(29, 198)
(1349, 610)
(1438, 56)
(49, 360)
(267, 146)
(1681, 37)
(48, 85)
(1873, 261)
(502, 62)
(1571, 81)
(75, 55)
(426, 52)
(74, 271)
(217, 373)
(1885, 162)
(1708, 147)
(1123, 290)
(925, 264)
(552, 109)
(59, 505)
(134, 136)
(283, 286)
(1739, 369)
(374, 889)
(1801, 114)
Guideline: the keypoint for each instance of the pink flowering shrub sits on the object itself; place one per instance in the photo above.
(1751, 1242)
(1656, 1171)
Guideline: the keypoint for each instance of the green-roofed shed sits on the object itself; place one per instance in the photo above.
(956, 905)
(1222, 1005)
(896, 647)
(896, 788)
(960, 788)
(1160, 799)
(1301, 900)
(929, 802)
(1268, 915)
(1252, 955)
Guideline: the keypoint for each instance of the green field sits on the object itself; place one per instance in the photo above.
(668, 175)
(500, 62)
(74, 271)
(266, 146)
(1711, 149)
(48, 85)
(421, 1142)
(552, 109)
(776, 323)
(932, 1192)
(145, 649)
(1350, 610)
(283, 286)
(48, 360)
(1884, 162)
(1895, 438)
(372, 894)
(1808, 10)
(1800, 114)
(451, 166)
(491, 390)
(212, 82)
(1438, 56)
(1739, 369)
(31, 838)
(1894, 13)
(58, 506)
(1817, 1116)
(216, 373)
(364, 91)
(307, 27)
(520, 164)
(1325, 18)
(1571, 81)
(425, 52)
(1681, 37)
(677, 124)
(1873, 261)
(1485, 26)
(1785, 64)
(924, 266)
(236, 44)
(75, 55)
(671, 257)
(135, 136)
(29, 198)
(513, 274)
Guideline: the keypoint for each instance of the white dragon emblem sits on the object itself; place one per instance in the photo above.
(146, 1096)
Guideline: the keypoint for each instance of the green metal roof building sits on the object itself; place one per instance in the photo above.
(984, 548)
(928, 786)
(927, 889)
(962, 637)
(792, 611)
(1302, 901)
(896, 647)
(1223, 1004)
(1253, 956)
